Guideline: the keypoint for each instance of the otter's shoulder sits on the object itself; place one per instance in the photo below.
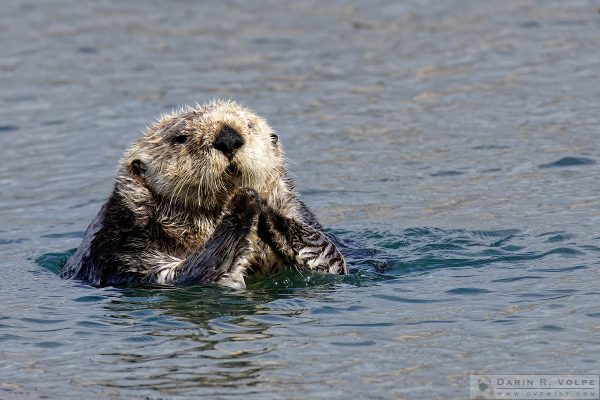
(115, 236)
(299, 209)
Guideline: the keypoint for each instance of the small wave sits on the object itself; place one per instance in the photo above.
(423, 249)
(54, 261)
(569, 162)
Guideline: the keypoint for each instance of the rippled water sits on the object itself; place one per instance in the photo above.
(453, 146)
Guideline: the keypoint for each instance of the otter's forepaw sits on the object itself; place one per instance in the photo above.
(299, 243)
(337, 265)
(265, 222)
(243, 208)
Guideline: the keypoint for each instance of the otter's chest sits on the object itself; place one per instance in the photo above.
(263, 262)
(182, 238)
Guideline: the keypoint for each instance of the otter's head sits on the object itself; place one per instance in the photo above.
(197, 156)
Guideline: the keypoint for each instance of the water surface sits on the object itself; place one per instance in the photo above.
(452, 145)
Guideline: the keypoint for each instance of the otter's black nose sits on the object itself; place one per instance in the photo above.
(228, 141)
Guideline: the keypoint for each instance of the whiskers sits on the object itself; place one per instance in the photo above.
(195, 187)
(260, 179)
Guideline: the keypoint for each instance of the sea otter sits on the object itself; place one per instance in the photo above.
(202, 197)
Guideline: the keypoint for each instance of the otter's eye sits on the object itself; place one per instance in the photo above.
(179, 139)
(274, 138)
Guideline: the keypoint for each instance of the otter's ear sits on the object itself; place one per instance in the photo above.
(138, 167)
(274, 138)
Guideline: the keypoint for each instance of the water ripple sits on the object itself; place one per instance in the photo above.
(569, 162)
(452, 146)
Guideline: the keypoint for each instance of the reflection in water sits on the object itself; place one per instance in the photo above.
(215, 344)
(208, 337)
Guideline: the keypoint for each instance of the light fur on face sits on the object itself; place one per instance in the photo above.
(181, 166)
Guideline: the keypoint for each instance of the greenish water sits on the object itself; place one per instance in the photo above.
(451, 146)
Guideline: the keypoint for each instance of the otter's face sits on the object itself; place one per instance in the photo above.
(197, 157)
